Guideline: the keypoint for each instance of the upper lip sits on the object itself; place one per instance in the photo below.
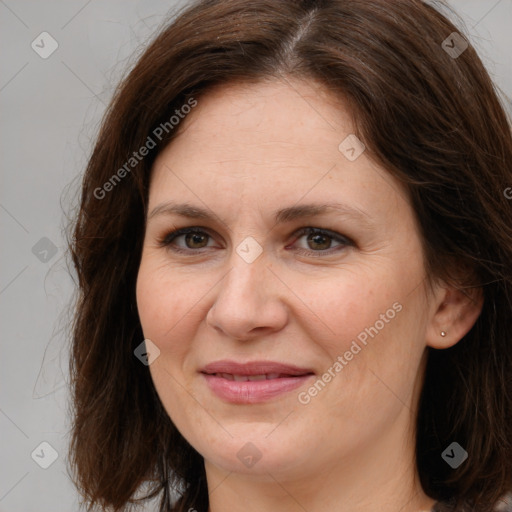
(254, 368)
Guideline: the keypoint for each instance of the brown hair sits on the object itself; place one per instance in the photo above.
(431, 119)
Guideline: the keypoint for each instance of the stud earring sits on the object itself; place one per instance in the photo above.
(443, 334)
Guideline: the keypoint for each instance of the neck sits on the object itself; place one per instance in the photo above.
(243, 495)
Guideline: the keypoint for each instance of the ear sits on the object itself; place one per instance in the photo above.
(454, 312)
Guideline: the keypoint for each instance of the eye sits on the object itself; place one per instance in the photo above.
(194, 238)
(320, 241)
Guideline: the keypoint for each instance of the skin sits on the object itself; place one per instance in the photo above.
(242, 153)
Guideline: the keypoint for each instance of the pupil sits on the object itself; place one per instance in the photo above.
(316, 237)
(195, 238)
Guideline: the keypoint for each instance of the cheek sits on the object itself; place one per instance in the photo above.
(164, 299)
(373, 335)
(347, 307)
(164, 307)
(160, 307)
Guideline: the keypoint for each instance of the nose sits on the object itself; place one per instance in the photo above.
(250, 300)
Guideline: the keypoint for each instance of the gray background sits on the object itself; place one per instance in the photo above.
(50, 110)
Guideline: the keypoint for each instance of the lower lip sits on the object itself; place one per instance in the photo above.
(253, 392)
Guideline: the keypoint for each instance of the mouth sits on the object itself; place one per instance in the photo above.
(253, 382)
(252, 378)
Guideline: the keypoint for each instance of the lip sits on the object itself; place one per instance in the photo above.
(254, 368)
(251, 392)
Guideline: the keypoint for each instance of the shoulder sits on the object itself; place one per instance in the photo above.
(447, 506)
(506, 505)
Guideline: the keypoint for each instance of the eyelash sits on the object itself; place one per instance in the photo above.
(167, 240)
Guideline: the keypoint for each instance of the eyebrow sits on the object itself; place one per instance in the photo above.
(280, 216)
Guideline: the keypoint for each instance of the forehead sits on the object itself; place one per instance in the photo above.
(270, 113)
(268, 143)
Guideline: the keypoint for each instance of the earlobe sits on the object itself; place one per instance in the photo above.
(453, 316)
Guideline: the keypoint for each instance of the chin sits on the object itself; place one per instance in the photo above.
(255, 452)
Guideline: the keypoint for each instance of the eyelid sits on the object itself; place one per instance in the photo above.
(169, 237)
(323, 231)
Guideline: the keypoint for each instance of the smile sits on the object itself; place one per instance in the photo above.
(253, 382)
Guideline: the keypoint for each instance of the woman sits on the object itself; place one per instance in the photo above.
(293, 253)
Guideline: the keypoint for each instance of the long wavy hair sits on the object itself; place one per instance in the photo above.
(432, 118)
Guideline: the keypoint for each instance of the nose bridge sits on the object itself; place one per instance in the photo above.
(246, 299)
(248, 275)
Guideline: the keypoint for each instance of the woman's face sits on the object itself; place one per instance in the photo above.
(330, 325)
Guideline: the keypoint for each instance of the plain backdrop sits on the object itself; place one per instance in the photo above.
(50, 109)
